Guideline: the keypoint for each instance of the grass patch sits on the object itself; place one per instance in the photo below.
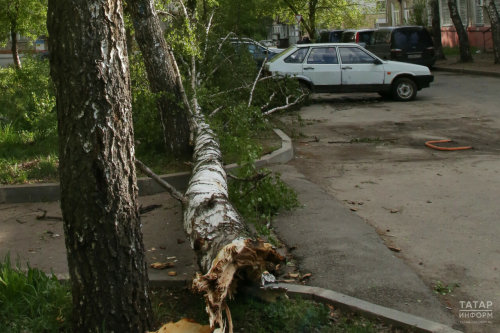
(31, 301)
(252, 315)
(449, 51)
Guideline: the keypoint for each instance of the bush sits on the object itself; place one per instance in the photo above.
(27, 98)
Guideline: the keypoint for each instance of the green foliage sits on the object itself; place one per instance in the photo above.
(443, 289)
(30, 18)
(27, 98)
(260, 200)
(325, 14)
(28, 135)
(419, 14)
(31, 301)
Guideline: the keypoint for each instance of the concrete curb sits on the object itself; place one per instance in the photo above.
(466, 71)
(366, 309)
(340, 301)
(147, 186)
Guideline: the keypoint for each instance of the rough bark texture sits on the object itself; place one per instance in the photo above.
(495, 29)
(463, 39)
(436, 30)
(161, 76)
(89, 67)
(217, 232)
(13, 35)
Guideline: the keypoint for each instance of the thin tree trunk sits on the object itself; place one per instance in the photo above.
(13, 35)
(130, 41)
(161, 77)
(436, 30)
(105, 250)
(312, 19)
(463, 39)
(495, 29)
(217, 232)
(309, 29)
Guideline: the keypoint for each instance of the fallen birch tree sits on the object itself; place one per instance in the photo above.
(226, 250)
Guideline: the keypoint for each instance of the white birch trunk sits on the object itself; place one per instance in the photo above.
(216, 230)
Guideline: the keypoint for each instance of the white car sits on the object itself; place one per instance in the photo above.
(342, 68)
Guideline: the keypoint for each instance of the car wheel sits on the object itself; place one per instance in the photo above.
(404, 90)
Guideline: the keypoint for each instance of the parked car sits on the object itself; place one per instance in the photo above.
(361, 37)
(330, 36)
(257, 50)
(344, 68)
(407, 44)
(268, 43)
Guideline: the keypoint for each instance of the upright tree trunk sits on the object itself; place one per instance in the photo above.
(312, 20)
(161, 77)
(463, 39)
(13, 35)
(436, 30)
(495, 29)
(90, 70)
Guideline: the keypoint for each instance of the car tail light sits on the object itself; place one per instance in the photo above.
(357, 37)
(396, 52)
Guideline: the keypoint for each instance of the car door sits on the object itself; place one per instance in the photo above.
(359, 73)
(323, 68)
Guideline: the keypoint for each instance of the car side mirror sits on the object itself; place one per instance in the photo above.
(377, 62)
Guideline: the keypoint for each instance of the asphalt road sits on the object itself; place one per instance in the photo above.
(439, 207)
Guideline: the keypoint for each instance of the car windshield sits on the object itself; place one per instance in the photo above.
(281, 54)
(406, 38)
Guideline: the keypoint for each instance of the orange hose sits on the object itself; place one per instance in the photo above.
(430, 145)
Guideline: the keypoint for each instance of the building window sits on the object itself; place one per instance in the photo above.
(479, 16)
(445, 13)
(395, 14)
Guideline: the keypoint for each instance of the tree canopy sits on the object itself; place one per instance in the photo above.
(29, 17)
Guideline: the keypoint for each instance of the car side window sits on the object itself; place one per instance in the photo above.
(323, 56)
(383, 37)
(354, 55)
(298, 56)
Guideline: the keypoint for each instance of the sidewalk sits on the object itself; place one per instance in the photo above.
(345, 254)
(482, 65)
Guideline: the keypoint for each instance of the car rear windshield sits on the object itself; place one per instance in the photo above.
(408, 38)
(364, 36)
(348, 37)
(335, 36)
(281, 54)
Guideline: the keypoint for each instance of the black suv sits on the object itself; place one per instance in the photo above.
(406, 44)
(330, 36)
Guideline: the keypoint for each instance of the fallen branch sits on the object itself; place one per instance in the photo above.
(253, 178)
(216, 110)
(316, 139)
(288, 105)
(148, 209)
(255, 82)
(44, 216)
(269, 102)
(170, 189)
